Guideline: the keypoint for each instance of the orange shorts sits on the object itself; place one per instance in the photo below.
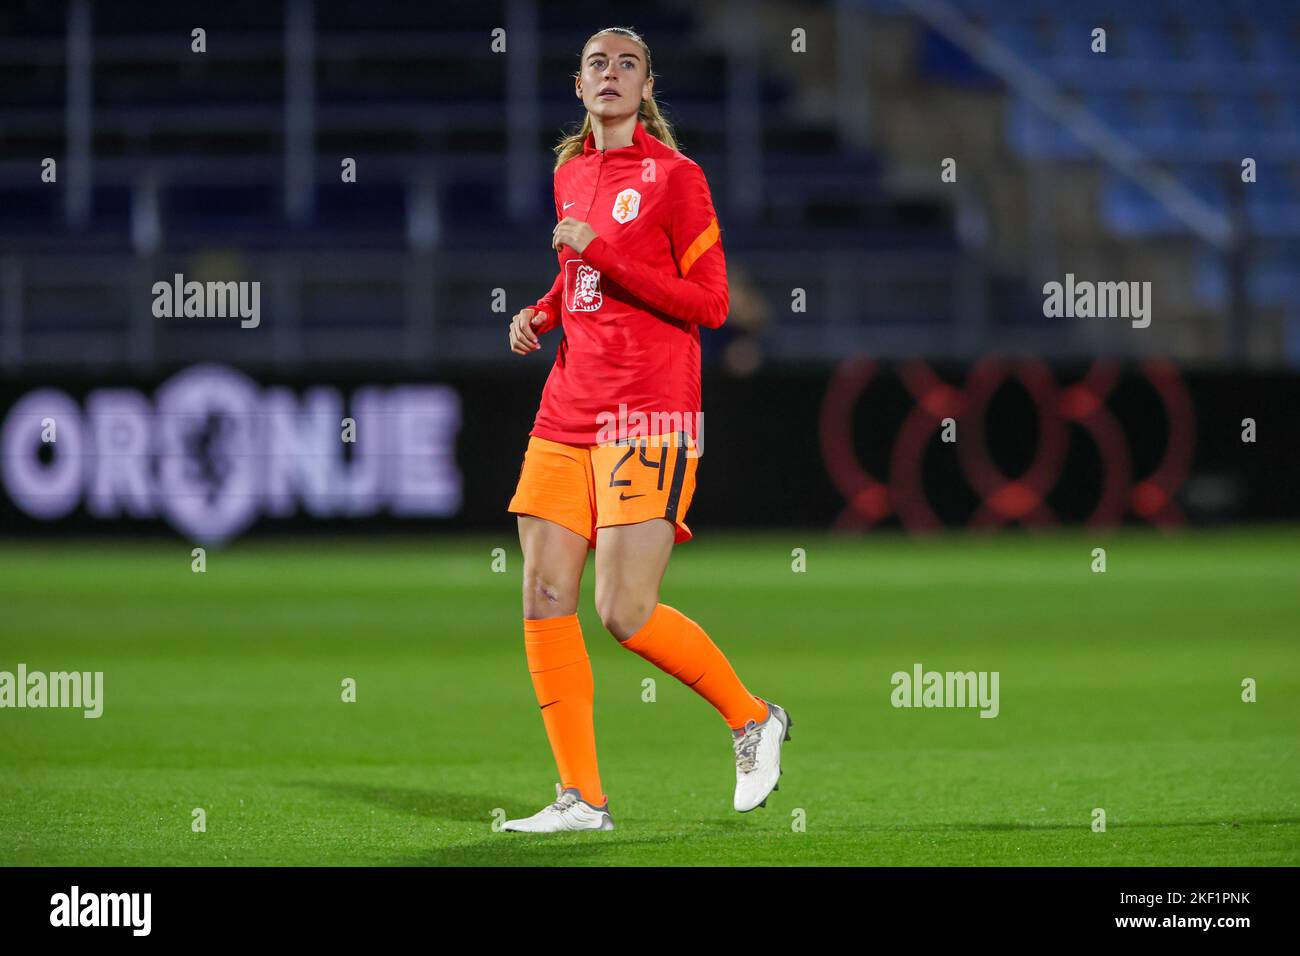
(585, 487)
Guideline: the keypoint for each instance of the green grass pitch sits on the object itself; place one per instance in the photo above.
(1119, 691)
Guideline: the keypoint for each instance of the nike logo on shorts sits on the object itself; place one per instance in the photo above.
(568, 204)
(627, 497)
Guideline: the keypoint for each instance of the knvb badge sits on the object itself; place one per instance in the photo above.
(626, 206)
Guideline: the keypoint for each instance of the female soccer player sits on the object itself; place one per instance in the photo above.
(611, 460)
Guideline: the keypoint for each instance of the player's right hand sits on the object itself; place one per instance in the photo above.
(523, 338)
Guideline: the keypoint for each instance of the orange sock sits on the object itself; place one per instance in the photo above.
(676, 645)
(561, 673)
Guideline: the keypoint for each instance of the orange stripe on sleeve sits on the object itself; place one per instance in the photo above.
(702, 244)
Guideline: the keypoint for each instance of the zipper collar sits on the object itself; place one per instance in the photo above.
(639, 137)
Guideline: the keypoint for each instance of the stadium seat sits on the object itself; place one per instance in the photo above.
(1148, 42)
(1218, 45)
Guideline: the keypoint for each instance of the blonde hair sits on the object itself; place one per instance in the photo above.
(647, 112)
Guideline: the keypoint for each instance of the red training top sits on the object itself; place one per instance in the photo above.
(632, 303)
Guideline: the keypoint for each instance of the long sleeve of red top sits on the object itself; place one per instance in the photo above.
(699, 293)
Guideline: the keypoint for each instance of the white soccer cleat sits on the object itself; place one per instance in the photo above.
(568, 812)
(758, 757)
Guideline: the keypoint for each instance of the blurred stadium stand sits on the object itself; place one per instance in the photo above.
(825, 170)
(1192, 88)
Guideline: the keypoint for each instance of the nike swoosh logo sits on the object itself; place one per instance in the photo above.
(623, 497)
(568, 204)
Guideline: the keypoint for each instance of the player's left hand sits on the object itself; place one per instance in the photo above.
(573, 233)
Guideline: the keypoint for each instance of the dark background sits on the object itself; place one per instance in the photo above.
(825, 165)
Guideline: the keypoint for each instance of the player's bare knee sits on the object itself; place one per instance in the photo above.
(546, 597)
(623, 614)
